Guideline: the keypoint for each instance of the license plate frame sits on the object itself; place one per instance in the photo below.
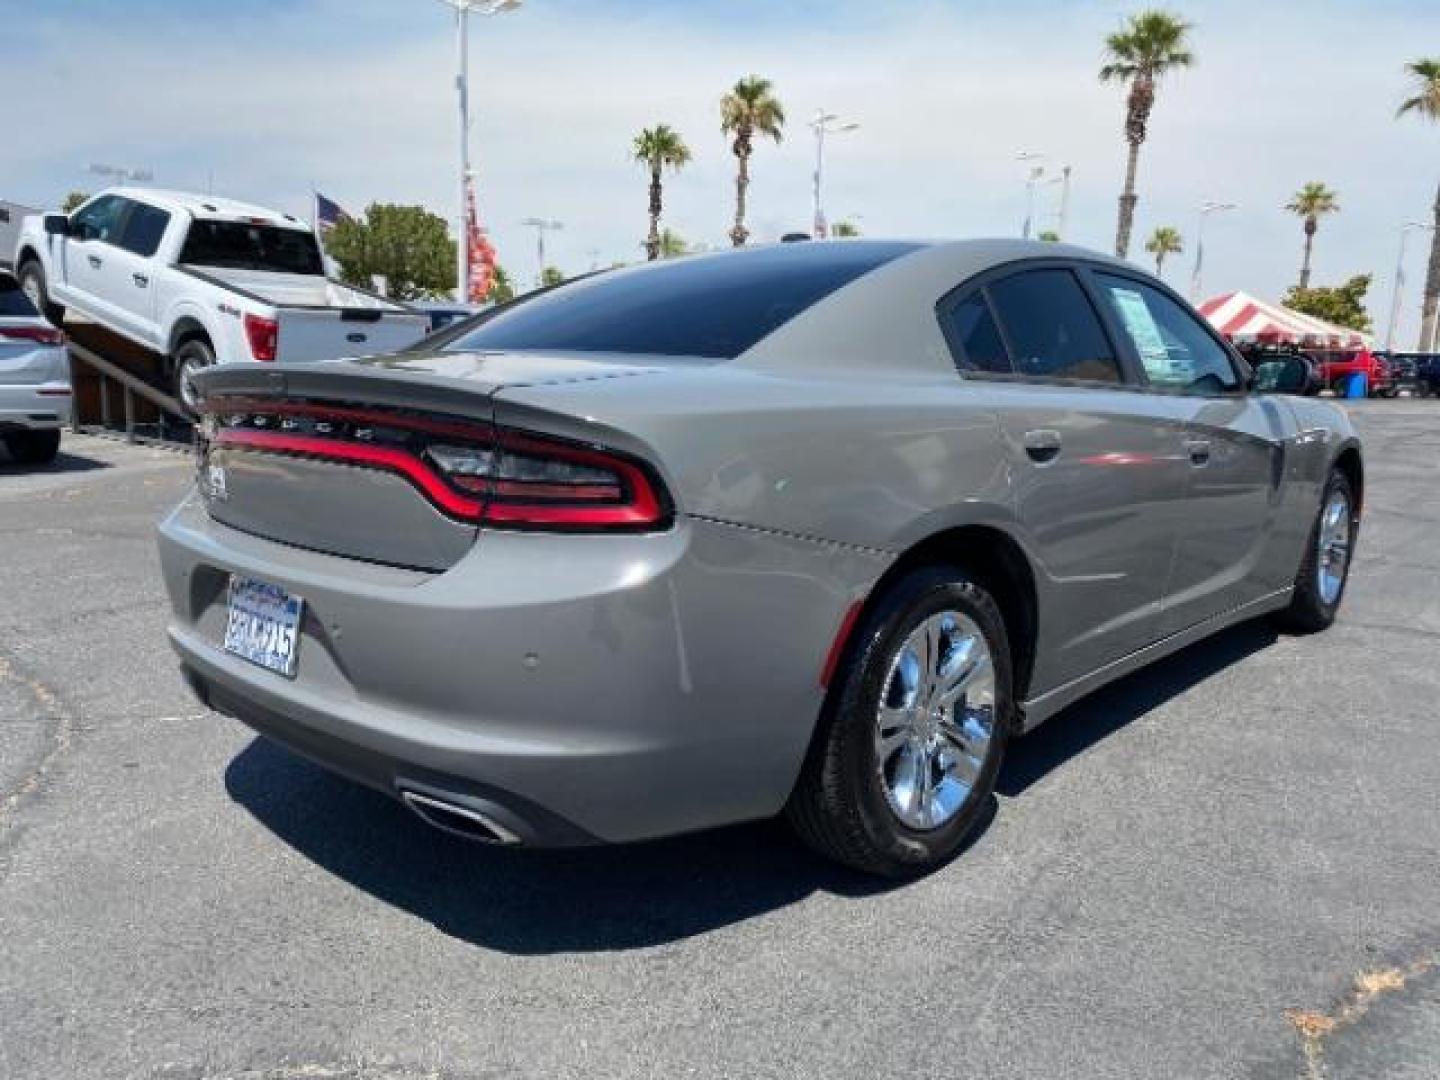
(262, 624)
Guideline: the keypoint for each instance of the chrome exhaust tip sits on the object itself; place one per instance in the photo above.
(457, 819)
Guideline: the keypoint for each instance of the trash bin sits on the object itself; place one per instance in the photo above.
(1357, 385)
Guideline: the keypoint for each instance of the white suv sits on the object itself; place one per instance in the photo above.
(34, 378)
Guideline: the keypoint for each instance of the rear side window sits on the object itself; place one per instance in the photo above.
(242, 245)
(977, 339)
(143, 229)
(1177, 352)
(709, 306)
(1052, 329)
(14, 304)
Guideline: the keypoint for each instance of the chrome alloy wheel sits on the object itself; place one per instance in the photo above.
(936, 719)
(30, 286)
(1332, 556)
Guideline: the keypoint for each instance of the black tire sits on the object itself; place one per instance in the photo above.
(31, 276)
(33, 447)
(839, 806)
(1309, 612)
(190, 356)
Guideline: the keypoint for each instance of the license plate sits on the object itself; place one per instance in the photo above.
(263, 624)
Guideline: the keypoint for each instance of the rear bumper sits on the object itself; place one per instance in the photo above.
(34, 407)
(572, 688)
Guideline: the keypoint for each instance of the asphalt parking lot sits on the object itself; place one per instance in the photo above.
(1225, 867)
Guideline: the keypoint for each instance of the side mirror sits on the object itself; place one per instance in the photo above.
(1284, 375)
(57, 224)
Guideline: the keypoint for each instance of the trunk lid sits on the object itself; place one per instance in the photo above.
(340, 456)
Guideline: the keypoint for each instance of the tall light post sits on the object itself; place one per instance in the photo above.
(1208, 207)
(1405, 230)
(824, 124)
(463, 10)
(1032, 177)
(121, 174)
(1064, 202)
(541, 227)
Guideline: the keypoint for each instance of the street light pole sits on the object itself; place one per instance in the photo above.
(1064, 201)
(1399, 286)
(1208, 207)
(1032, 175)
(541, 227)
(824, 123)
(463, 9)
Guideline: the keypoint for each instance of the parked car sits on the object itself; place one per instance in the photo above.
(1336, 367)
(203, 280)
(810, 529)
(1415, 372)
(34, 378)
(443, 314)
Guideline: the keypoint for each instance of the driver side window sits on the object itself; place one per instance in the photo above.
(1178, 353)
(99, 221)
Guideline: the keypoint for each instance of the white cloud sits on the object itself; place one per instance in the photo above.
(946, 94)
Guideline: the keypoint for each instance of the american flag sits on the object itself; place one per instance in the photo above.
(328, 214)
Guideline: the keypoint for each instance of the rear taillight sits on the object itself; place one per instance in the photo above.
(532, 481)
(263, 335)
(468, 470)
(41, 335)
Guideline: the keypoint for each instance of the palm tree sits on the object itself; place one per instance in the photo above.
(658, 148)
(672, 244)
(1426, 105)
(1165, 240)
(1311, 203)
(1149, 45)
(749, 109)
(502, 289)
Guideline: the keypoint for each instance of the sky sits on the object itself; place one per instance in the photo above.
(266, 100)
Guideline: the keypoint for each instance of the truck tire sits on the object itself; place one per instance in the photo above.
(33, 447)
(32, 283)
(192, 356)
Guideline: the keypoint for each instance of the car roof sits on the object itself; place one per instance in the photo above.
(884, 321)
(207, 207)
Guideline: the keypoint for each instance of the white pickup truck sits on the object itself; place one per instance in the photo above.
(203, 280)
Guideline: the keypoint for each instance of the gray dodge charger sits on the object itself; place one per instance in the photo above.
(811, 529)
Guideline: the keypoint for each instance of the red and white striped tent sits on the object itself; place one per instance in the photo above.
(1243, 318)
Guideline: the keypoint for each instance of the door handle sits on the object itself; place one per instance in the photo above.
(1042, 445)
(1199, 451)
(140, 279)
(95, 261)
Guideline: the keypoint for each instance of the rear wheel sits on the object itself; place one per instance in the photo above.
(903, 767)
(32, 283)
(1320, 582)
(191, 358)
(33, 447)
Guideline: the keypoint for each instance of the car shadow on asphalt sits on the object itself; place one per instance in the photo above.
(637, 895)
(63, 463)
(531, 902)
(1072, 732)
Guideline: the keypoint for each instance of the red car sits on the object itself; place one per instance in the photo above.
(1335, 368)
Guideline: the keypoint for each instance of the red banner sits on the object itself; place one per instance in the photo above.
(479, 252)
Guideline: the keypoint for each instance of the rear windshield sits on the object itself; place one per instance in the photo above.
(712, 306)
(14, 304)
(239, 245)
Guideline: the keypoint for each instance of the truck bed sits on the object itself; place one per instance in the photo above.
(295, 290)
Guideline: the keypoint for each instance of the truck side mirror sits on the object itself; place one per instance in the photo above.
(57, 224)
